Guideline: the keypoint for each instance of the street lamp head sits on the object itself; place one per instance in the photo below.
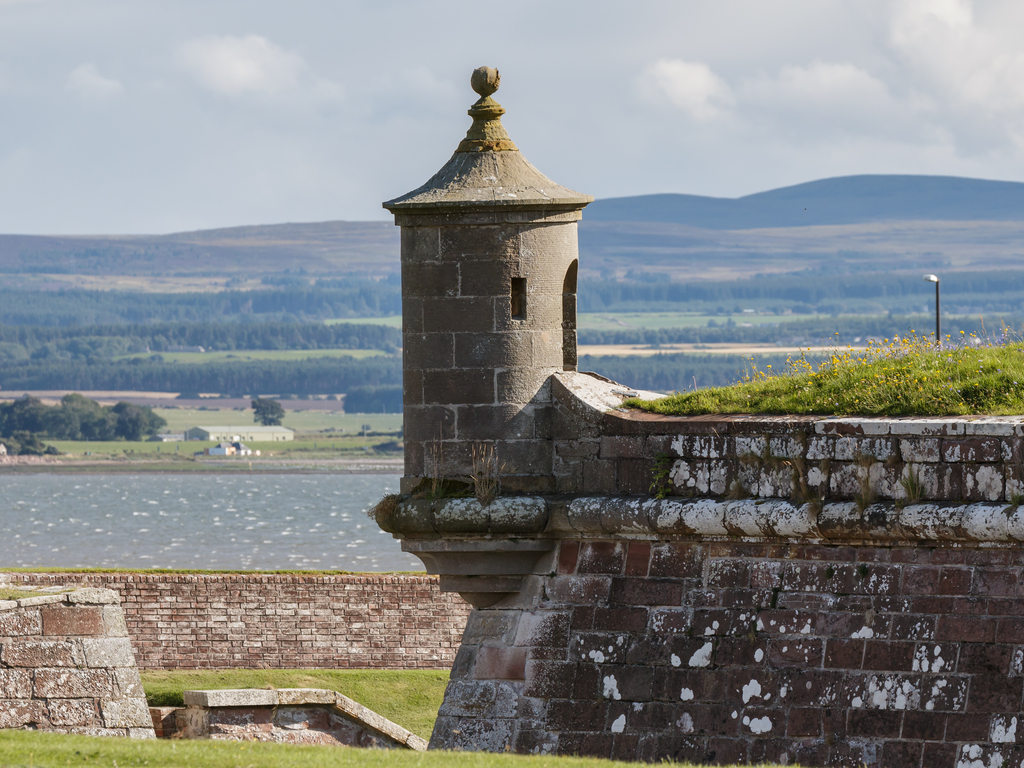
(931, 278)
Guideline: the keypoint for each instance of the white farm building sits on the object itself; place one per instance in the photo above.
(240, 434)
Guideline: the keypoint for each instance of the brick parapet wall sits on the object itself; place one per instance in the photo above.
(948, 459)
(281, 621)
(735, 652)
(66, 665)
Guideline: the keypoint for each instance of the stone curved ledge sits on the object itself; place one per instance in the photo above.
(981, 523)
(508, 515)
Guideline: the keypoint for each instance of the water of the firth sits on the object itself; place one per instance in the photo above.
(243, 522)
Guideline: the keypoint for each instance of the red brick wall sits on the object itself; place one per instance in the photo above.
(746, 652)
(270, 621)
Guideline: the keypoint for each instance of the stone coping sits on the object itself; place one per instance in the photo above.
(776, 518)
(62, 594)
(293, 697)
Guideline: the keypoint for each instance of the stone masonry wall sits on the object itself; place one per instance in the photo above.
(281, 621)
(742, 652)
(811, 457)
(66, 665)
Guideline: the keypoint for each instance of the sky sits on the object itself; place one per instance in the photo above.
(157, 116)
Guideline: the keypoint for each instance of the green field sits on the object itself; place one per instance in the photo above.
(392, 321)
(249, 355)
(180, 419)
(145, 449)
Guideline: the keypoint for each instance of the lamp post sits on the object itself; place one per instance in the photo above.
(938, 332)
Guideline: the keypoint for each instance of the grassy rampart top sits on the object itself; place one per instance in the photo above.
(899, 377)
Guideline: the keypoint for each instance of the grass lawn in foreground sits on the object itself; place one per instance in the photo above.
(905, 377)
(409, 697)
(22, 749)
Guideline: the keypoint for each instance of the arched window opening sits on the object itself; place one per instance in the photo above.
(569, 355)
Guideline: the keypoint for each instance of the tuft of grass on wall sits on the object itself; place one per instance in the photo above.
(409, 697)
(899, 377)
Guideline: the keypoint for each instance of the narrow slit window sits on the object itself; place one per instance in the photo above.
(518, 298)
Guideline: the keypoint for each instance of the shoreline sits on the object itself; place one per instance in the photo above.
(17, 465)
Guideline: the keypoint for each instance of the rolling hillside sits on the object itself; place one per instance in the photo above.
(833, 226)
(842, 200)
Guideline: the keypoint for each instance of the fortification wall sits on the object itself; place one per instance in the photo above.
(281, 621)
(750, 589)
(66, 665)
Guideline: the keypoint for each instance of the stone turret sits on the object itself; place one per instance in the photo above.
(489, 263)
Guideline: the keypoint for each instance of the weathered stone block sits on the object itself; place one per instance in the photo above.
(125, 713)
(41, 653)
(72, 683)
(77, 712)
(108, 652)
(20, 623)
(72, 620)
(459, 385)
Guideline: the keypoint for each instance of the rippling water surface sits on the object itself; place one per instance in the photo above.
(257, 522)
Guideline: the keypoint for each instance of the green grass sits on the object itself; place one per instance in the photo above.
(180, 419)
(909, 377)
(248, 355)
(21, 749)
(409, 697)
(13, 593)
(326, 444)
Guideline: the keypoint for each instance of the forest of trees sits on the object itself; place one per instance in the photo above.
(26, 420)
(296, 300)
(20, 342)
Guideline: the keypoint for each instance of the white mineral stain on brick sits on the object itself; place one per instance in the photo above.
(970, 757)
(676, 661)
(685, 723)
(758, 724)
(611, 688)
(758, 655)
(686, 695)
(1003, 733)
(620, 724)
(750, 690)
(1017, 665)
(857, 702)
(701, 657)
(862, 633)
(597, 656)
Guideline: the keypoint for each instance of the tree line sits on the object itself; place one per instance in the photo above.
(812, 331)
(68, 307)
(312, 376)
(20, 342)
(1001, 290)
(25, 421)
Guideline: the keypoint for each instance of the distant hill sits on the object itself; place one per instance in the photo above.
(880, 224)
(841, 200)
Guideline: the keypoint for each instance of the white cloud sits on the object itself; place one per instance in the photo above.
(824, 98)
(689, 86)
(87, 83)
(236, 65)
(970, 74)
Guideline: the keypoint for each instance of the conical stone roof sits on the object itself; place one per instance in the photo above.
(487, 171)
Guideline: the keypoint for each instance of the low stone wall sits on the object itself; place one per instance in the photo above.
(66, 665)
(289, 716)
(281, 621)
(806, 457)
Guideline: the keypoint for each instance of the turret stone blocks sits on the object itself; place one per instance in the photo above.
(721, 590)
(477, 355)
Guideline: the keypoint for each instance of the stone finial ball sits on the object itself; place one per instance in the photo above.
(485, 80)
